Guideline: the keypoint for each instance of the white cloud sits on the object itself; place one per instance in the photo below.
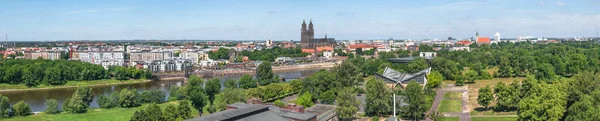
(541, 2)
(558, 3)
(94, 10)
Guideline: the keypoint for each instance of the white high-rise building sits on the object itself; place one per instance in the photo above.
(497, 37)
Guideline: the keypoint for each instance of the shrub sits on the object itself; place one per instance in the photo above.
(176, 93)
(127, 98)
(327, 97)
(21, 109)
(152, 96)
(279, 103)
(170, 113)
(105, 102)
(183, 110)
(52, 107)
(305, 100)
(4, 107)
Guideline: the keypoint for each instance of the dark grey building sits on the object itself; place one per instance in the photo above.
(392, 76)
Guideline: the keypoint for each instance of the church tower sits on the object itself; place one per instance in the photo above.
(476, 36)
(311, 31)
(303, 33)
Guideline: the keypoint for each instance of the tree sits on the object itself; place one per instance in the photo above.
(264, 73)
(213, 87)
(198, 98)
(183, 110)
(446, 67)
(231, 83)
(460, 80)
(127, 98)
(347, 74)
(434, 79)
(79, 101)
(154, 112)
(544, 72)
(51, 107)
(583, 110)
(176, 93)
(359, 51)
(505, 69)
(417, 65)
(415, 99)
(545, 102)
(21, 109)
(346, 104)
(305, 100)
(247, 82)
(485, 96)
(152, 96)
(471, 76)
(376, 91)
(140, 115)
(105, 102)
(4, 107)
(230, 96)
(170, 113)
(121, 73)
(327, 97)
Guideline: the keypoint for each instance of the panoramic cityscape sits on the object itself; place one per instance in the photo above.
(381, 60)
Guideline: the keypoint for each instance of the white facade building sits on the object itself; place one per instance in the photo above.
(104, 58)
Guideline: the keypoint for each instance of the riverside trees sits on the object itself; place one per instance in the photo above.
(34, 72)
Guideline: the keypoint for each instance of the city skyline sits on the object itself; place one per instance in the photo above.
(280, 20)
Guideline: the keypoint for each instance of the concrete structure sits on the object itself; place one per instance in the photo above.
(194, 56)
(497, 37)
(269, 43)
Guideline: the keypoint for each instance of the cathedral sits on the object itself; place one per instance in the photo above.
(308, 40)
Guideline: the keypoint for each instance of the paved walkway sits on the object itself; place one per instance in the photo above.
(465, 114)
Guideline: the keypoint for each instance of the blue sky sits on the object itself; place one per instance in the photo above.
(26, 20)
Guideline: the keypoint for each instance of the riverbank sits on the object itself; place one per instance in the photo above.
(96, 114)
(69, 84)
(304, 66)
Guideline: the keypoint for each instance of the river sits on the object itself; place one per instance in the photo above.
(36, 98)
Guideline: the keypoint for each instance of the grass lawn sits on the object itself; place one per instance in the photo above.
(451, 119)
(453, 95)
(494, 118)
(114, 114)
(7, 87)
(450, 106)
(473, 93)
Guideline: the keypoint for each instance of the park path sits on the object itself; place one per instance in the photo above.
(465, 114)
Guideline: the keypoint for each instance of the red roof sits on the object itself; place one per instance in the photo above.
(356, 46)
(464, 42)
(324, 48)
(308, 50)
(483, 40)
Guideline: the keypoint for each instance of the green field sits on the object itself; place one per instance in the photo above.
(114, 114)
(494, 118)
(9, 87)
(450, 106)
(452, 96)
(451, 119)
